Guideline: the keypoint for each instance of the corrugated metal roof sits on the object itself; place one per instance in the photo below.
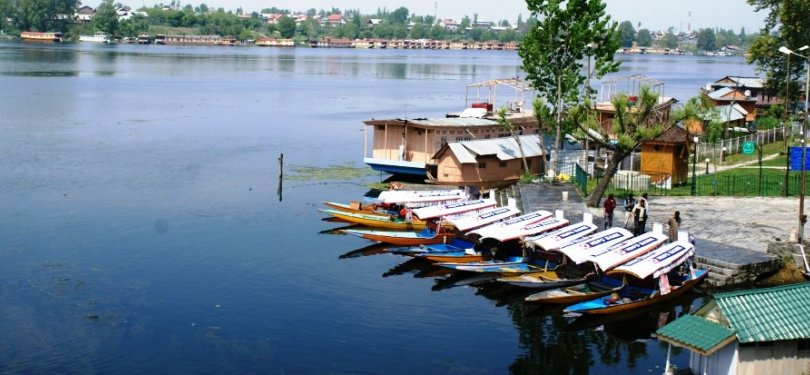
(770, 314)
(720, 93)
(696, 333)
(749, 82)
(728, 113)
(503, 148)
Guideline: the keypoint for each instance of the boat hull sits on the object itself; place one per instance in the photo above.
(377, 221)
(541, 279)
(570, 295)
(363, 209)
(600, 306)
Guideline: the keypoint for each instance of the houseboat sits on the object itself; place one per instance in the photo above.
(36, 36)
(409, 146)
(98, 37)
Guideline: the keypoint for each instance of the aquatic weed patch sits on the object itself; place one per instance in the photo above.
(332, 172)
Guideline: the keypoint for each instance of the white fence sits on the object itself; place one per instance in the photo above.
(734, 145)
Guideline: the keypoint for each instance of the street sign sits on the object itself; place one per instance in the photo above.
(796, 159)
(748, 148)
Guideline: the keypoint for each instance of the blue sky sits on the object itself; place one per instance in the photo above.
(652, 14)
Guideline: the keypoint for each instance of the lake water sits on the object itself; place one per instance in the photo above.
(144, 229)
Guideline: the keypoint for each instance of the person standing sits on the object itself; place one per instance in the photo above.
(629, 204)
(646, 202)
(610, 205)
(640, 217)
(674, 225)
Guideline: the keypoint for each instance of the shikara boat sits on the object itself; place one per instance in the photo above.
(479, 219)
(657, 276)
(455, 208)
(454, 245)
(377, 221)
(420, 198)
(605, 258)
(561, 237)
(513, 223)
(425, 236)
(462, 256)
(359, 207)
(574, 294)
(515, 232)
(547, 278)
(511, 266)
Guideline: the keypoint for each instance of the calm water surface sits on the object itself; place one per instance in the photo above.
(143, 229)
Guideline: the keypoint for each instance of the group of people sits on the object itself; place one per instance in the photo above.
(638, 212)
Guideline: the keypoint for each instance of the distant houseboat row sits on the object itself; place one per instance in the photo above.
(217, 40)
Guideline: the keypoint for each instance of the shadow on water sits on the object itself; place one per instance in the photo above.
(413, 265)
(373, 249)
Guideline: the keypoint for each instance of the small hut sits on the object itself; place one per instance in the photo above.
(667, 156)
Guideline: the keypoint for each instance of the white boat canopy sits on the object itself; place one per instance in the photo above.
(580, 251)
(479, 219)
(659, 261)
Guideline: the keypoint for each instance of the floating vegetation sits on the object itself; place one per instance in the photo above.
(333, 172)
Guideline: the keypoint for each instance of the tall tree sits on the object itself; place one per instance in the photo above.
(627, 34)
(706, 40)
(670, 39)
(106, 18)
(44, 15)
(567, 33)
(633, 125)
(286, 26)
(644, 38)
(786, 24)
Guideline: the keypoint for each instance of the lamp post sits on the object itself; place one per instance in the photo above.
(707, 165)
(694, 165)
(802, 216)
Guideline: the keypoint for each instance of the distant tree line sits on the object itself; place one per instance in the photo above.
(701, 40)
(400, 23)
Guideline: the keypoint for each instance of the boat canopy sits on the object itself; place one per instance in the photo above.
(511, 233)
(627, 250)
(479, 219)
(454, 208)
(580, 251)
(561, 237)
(420, 196)
(517, 222)
(659, 261)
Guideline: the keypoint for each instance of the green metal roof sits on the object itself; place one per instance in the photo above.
(696, 334)
(770, 314)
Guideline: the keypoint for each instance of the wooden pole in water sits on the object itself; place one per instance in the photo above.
(281, 166)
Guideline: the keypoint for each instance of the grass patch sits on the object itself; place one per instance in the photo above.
(332, 172)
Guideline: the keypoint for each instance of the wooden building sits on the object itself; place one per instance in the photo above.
(631, 87)
(486, 163)
(407, 146)
(753, 331)
(728, 96)
(667, 156)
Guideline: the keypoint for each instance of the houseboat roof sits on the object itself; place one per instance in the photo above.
(505, 148)
(451, 122)
(728, 113)
(737, 81)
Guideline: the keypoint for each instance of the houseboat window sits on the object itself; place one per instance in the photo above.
(459, 139)
(380, 127)
(502, 164)
(482, 165)
(444, 141)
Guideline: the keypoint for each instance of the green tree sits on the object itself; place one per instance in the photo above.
(788, 25)
(43, 15)
(706, 40)
(627, 34)
(554, 51)
(632, 126)
(644, 38)
(399, 16)
(670, 39)
(286, 26)
(106, 19)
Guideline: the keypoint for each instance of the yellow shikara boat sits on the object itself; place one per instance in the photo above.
(377, 221)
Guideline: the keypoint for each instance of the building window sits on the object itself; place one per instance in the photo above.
(486, 136)
(502, 164)
(380, 127)
(444, 141)
(482, 165)
(529, 162)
